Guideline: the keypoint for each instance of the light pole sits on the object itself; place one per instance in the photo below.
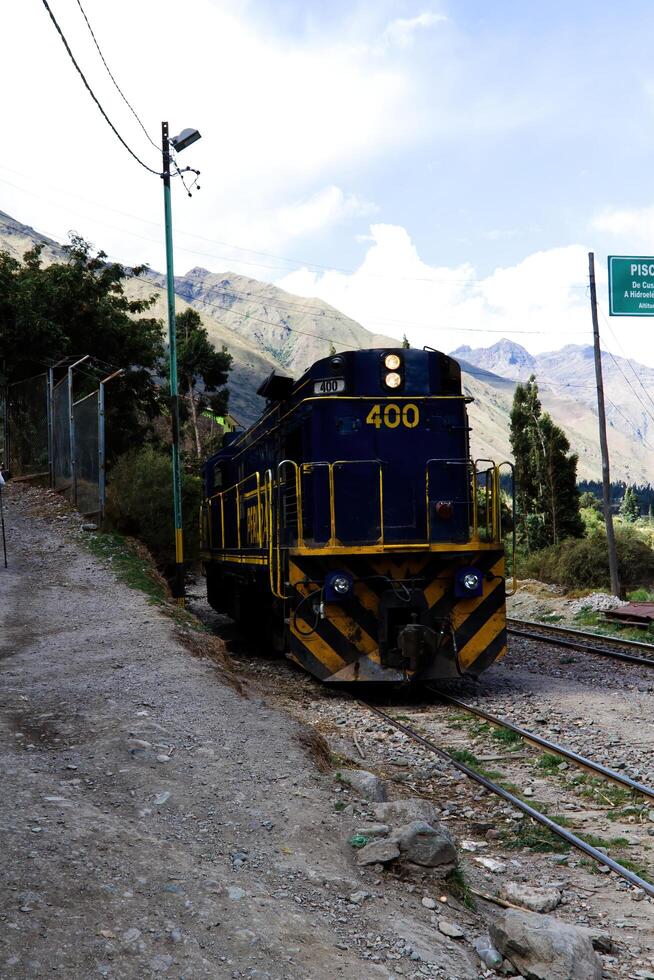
(180, 142)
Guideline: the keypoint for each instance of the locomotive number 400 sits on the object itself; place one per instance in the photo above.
(392, 415)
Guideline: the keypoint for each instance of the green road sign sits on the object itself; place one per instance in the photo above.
(631, 285)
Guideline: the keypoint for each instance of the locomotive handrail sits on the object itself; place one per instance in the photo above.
(272, 520)
(469, 463)
(493, 498)
(298, 495)
(514, 579)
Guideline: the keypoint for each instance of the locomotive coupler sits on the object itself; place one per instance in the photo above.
(416, 643)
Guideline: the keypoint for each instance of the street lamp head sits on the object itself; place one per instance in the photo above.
(184, 139)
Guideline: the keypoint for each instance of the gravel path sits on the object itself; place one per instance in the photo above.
(156, 822)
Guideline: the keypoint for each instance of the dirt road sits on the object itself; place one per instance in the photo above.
(155, 821)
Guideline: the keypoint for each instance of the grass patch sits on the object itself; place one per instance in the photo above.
(339, 805)
(549, 762)
(532, 835)
(506, 736)
(458, 886)
(130, 564)
(133, 565)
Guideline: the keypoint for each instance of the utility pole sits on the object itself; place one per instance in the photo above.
(178, 583)
(606, 477)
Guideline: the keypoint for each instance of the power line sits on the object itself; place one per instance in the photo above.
(118, 88)
(241, 248)
(92, 93)
(626, 358)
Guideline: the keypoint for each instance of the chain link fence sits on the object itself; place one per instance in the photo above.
(46, 433)
(27, 452)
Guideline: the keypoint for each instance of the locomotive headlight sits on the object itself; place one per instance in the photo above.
(340, 584)
(393, 380)
(392, 362)
(468, 583)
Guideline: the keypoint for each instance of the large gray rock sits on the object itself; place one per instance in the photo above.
(379, 852)
(530, 897)
(421, 843)
(399, 812)
(366, 784)
(543, 947)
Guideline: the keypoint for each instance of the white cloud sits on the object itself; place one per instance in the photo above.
(634, 226)
(282, 119)
(540, 302)
(402, 31)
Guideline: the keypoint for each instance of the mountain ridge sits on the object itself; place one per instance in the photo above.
(266, 328)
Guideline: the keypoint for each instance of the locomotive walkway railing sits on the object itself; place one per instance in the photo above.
(300, 507)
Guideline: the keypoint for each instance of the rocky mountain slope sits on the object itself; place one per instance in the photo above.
(566, 380)
(266, 328)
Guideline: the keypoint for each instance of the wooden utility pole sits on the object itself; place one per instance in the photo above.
(604, 446)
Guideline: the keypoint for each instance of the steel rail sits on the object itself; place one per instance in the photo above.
(582, 634)
(559, 641)
(542, 743)
(515, 801)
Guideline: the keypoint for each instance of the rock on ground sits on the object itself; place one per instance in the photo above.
(531, 897)
(421, 843)
(543, 947)
(400, 812)
(366, 784)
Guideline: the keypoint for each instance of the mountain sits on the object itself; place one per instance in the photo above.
(266, 328)
(566, 381)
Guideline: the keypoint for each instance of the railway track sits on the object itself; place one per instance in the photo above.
(574, 639)
(563, 832)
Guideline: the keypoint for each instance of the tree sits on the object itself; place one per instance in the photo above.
(78, 306)
(198, 362)
(545, 473)
(332, 348)
(588, 500)
(405, 342)
(629, 509)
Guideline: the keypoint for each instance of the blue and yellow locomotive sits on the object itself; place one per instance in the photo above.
(350, 524)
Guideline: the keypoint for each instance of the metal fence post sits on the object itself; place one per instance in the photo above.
(71, 424)
(50, 419)
(102, 447)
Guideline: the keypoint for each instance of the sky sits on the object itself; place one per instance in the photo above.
(435, 169)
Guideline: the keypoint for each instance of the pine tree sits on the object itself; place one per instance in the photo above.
(405, 342)
(545, 473)
(332, 348)
(629, 509)
(199, 361)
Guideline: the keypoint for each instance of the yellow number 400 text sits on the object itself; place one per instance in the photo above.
(392, 415)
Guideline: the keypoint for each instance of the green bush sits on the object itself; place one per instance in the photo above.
(584, 562)
(140, 503)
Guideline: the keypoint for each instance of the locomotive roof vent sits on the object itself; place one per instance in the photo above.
(276, 387)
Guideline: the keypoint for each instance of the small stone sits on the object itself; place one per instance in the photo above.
(373, 830)
(89, 527)
(450, 929)
(431, 847)
(163, 758)
(176, 935)
(161, 962)
(366, 784)
(528, 791)
(429, 903)
(530, 897)
(162, 798)
(378, 852)
(491, 864)
(235, 894)
(358, 898)
(400, 812)
(131, 935)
